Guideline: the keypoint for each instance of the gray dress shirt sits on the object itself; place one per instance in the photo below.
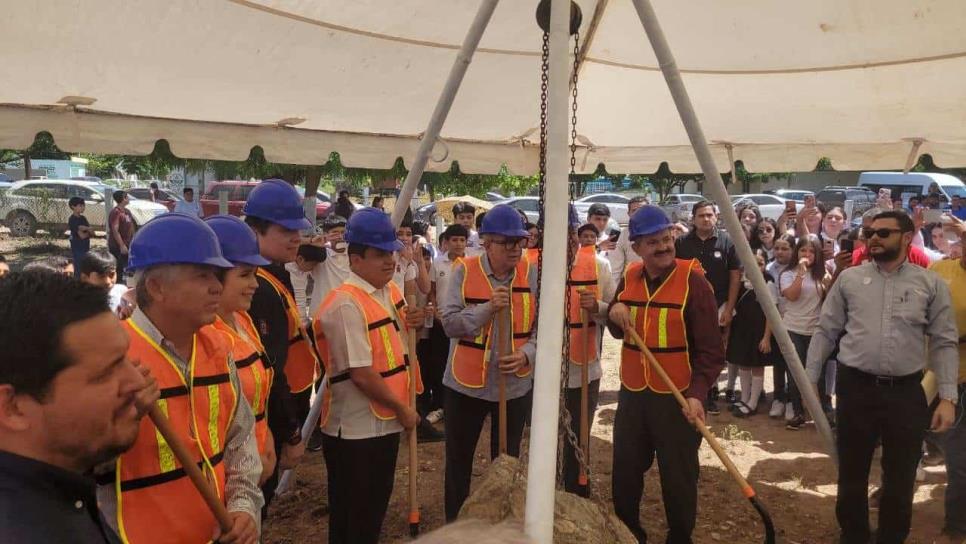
(243, 465)
(884, 321)
(460, 320)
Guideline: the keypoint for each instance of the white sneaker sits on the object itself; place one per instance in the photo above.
(920, 473)
(435, 416)
(777, 408)
(789, 411)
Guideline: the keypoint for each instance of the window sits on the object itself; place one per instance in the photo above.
(44, 190)
(526, 205)
(241, 192)
(764, 200)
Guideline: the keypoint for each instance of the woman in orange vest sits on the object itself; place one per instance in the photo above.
(240, 248)
(361, 334)
(178, 265)
(481, 288)
(591, 288)
(671, 305)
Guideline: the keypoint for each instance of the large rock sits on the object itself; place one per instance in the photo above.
(501, 495)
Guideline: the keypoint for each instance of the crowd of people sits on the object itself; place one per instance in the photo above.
(231, 326)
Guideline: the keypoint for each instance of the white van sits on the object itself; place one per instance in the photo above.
(913, 184)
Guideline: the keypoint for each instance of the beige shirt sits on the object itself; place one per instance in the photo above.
(344, 326)
(328, 275)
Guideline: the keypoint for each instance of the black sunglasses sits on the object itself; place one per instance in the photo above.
(881, 233)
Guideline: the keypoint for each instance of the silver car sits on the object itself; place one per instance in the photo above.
(678, 206)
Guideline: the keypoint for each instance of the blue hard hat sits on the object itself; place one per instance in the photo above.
(572, 218)
(238, 242)
(504, 220)
(276, 201)
(372, 227)
(175, 238)
(648, 219)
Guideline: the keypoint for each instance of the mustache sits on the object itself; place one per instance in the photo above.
(662, 252)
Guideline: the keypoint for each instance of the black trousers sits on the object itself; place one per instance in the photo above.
(360, 478)
(433, 353)
(651, 424)
(571, 468)
(867, 412)
(464, 421)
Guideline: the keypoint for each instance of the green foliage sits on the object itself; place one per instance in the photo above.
(824, 165)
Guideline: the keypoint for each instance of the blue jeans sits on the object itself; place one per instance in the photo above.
(955, 449)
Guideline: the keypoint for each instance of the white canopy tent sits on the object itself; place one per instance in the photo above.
(837, 79)
(784, 83)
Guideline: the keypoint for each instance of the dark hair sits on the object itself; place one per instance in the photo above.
(479, 221)
(590, 227)
(187, 190)
(42, 305)
(463, 207)
(3, 258)
(75, 201)
(756, 242)
(817, 270)
(153, 185)
(748, 205)
(927, 235)
(901, 217)
(598, 208)
(55, 264)
(333, 221)
(529, 226)
(258, 224)
(455, 230)
(118, 196)
(97, 260)
(357, 249)
(312, 253)
(702, 204)
(420, 228)
(639, 199)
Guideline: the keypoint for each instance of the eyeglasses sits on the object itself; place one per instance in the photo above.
(881, 233)
(511, 243)
(766, 229)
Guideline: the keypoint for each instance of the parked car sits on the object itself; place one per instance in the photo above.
(678, 205)
(494, 196)
(238, 192)
(529, 205)
(863, 200)
(615, 202)
(914, 184)
(5, 181)
(426, 212)
(42, 204)
(168, 198)
(770, 206)
(797, 195)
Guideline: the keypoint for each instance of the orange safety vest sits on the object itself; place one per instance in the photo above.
(583, 275)
(659, 319)
(532, 255)
(385, 334)
(471, 356)
(156, 501)
(302, 364)
(256, 380)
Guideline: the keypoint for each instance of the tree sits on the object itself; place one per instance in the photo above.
(665, 182)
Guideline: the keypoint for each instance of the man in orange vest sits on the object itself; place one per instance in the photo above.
(671, 305)
(274, 211)
(177, 263)
(472, 311)
(362, 331)
(591, 288)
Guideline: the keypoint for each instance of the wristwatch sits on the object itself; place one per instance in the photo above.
(295, 439)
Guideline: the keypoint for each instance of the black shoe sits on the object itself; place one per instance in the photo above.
(796, 423)
(711, 407)
(315, 441)
(731, 396)
(427, 433)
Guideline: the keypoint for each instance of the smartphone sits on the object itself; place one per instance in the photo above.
(614, 235)
(828, 244)
(885, 193)
(847, 245)
(789, 206)
(810, 201)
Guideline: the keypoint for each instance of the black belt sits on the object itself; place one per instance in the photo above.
(882, 381)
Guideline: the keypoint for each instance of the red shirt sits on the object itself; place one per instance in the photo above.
(916, 256)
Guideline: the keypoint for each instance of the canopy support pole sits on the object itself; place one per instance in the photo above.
(700, 144)
(731, 164)
(443, 105)
(542, 463)
(913, 155)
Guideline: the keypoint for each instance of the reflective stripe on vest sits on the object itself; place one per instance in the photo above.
(583, 276)
(156, 502)
(659, 318)
(301, 365)
(470, 356)
(384, 334)
(255, 379)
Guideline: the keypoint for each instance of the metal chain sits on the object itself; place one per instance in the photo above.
(542, 181)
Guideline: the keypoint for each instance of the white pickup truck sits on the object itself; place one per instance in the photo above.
(42, 204)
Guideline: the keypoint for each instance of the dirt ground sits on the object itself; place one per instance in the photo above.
(793, 476)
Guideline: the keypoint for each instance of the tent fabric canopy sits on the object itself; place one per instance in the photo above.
(783, 83)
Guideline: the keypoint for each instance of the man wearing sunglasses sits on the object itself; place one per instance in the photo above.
(880, 315)
(489, 293)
